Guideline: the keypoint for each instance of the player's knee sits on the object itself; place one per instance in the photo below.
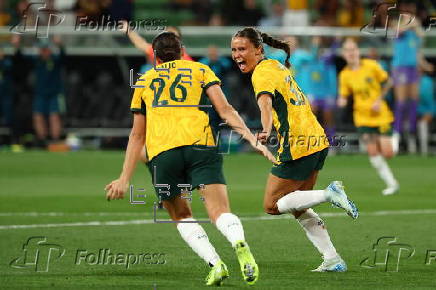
(388, 154)
(372, 151)
(180, 213)
(298, 213)
(216, 213)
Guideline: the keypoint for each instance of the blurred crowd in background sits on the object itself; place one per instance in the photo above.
(346, 13)
(91, 92)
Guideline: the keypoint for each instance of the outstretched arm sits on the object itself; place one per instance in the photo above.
(231, 116)
(117, 188)
(138, 41)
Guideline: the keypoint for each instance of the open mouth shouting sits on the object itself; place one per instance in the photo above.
(242, 65)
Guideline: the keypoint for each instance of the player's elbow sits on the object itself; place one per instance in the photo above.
(226, 111)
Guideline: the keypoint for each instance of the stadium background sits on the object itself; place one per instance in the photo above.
(60, 196)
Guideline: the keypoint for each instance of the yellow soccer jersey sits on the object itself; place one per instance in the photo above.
(299, 132)
(365, 86)
(169, 97)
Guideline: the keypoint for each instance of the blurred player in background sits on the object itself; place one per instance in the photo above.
(405, 60)
(300, 60)
(322, 89)
(362, 78)
(426, 110)
(6, 100)
(48, 102)
(218, 64)
(289, 188)
(168, 121)
(49, 99)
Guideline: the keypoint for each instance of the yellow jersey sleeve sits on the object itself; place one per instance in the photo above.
(380, 74)
(137, 104)
(209, 77)
(344, 88)
(263, 83)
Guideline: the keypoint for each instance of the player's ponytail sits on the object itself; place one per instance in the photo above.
(278, 44)
(257, 38)
(167, 46)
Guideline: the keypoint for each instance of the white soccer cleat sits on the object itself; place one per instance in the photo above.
(392, 189)
(332, 265)
(338, 198)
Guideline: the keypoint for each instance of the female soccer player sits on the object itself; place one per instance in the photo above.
(362, 78)
(426, 109)
(406, 59)
(141, 43)
(302, 143)
(181, 150)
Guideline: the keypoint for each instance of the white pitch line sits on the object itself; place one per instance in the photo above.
(79, 224)
(36, 214)
(265, 217)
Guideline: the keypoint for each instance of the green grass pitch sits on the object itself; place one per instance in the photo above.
(60, 197)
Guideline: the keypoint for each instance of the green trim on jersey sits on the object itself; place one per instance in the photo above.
(385, 130)
(281, 108)
(206, 86)
(264, 93)
(142, 110)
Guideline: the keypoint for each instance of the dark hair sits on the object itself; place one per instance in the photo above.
(167, 46)
(257, 38)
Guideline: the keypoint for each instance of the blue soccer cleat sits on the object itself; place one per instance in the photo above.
(338, 198)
